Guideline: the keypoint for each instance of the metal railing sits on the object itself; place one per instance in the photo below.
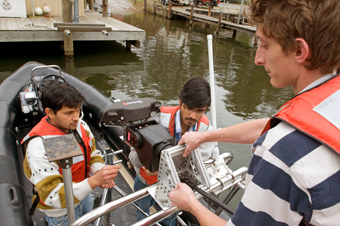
(225, 183)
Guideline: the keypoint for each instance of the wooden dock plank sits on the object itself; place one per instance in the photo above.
(42, 29)
(2, 24)
(212, 20)
(14, 24)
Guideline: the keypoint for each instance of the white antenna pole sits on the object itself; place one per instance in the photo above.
(215, 153)
(212, 82)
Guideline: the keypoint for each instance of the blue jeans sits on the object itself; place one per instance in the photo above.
(84, 207)
(146, 202)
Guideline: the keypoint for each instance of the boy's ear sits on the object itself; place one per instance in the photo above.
(303, 53)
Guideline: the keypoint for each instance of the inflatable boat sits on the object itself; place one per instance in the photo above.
(117, 126)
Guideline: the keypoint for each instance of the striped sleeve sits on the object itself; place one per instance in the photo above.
(96, 161)
(291, 178)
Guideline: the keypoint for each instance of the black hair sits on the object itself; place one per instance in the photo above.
(56, 95)
(196, 93)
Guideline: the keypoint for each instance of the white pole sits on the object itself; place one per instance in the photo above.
(32, 7)
(212, 81)
(215, 153)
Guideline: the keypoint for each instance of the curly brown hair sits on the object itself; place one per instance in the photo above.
(315, 21)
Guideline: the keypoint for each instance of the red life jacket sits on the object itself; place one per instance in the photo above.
(300, 113)
(171, 110)
(44, 128)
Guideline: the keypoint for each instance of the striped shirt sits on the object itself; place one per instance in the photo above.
(291, 177)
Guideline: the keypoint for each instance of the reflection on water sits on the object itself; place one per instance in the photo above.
(171, 54)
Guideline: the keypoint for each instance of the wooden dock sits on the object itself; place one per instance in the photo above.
(212, 20)
(41, 28)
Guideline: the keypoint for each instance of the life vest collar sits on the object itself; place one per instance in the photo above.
(313, 113)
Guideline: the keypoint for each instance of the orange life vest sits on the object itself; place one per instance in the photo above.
(44, 128)
(300, 112)
(171, 110)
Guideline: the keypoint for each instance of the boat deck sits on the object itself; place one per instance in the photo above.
(41, 28)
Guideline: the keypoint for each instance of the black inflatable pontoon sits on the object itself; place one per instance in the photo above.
(98, 109)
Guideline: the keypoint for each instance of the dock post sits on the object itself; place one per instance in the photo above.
(234, 34)
(145, 4)
(69, 65)
(66, 11)
(219, 23)
(170, 8)
(105, 9)
(191, 15)
(91, 4)
(128, 46)
(209, 11)
(154, 8)
(68, 43)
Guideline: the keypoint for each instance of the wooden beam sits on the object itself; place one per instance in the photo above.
(78, 25)
(84, 29)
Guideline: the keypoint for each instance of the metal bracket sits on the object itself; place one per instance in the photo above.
(173, 167)
(61, 147)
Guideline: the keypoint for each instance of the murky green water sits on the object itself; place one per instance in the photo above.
(170, 55)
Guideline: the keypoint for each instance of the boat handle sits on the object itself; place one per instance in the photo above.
(14, 197)
(46, 66)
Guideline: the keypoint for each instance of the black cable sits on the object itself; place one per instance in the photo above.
(193, 186)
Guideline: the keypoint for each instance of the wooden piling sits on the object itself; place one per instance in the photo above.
(67, 11)
(128, 46)
(209, 11)
(219, 23)
(145, 5)
(105, 8)
(91, 4)
(234, 34)
(154, 8)
(191, 15)
(170, 8)
(68, 43)
(69, 65)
